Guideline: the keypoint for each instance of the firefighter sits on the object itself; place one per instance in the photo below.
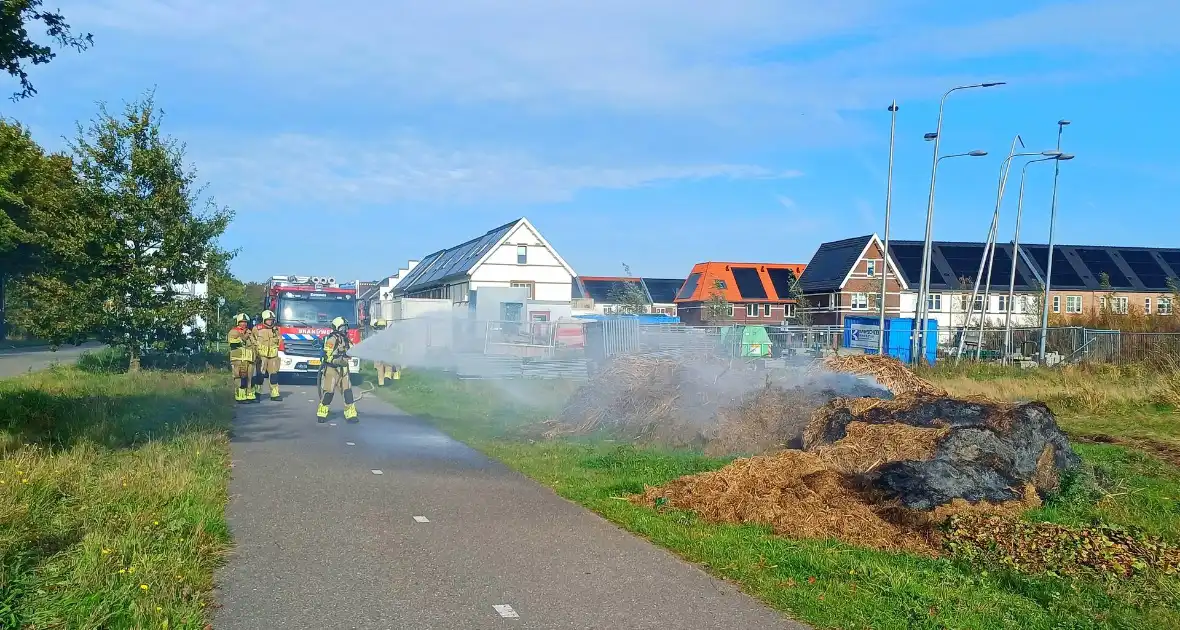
(334, 371)
(384, 370)
(241, 358)
(266, 342)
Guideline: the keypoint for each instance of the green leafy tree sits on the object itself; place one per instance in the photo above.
(717, 308)
(149, 235)
(17, 49)
(240, 297)
(629, 297)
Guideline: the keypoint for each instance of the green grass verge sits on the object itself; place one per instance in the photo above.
(825, 583)
(112, 496)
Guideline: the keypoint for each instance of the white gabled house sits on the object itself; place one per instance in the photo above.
(379, 299)
(511, 255)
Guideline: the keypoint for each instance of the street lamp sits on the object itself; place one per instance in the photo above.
(918, 344)
(989, 248)
(885, 245)
(1049, 265)
(923, 281)
(1016, 250)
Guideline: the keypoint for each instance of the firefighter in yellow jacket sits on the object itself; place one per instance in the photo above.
(266, 342)
(335, 371)
(384, 370)
(241, 358)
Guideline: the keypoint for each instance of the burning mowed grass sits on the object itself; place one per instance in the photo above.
(895, 470)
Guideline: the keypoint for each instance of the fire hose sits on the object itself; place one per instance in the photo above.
(372, 387)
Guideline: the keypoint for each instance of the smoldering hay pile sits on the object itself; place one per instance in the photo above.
(710, 405)
(884, 473)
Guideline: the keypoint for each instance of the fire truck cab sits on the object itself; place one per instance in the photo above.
(304, 308)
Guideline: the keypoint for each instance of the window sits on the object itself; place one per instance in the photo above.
(789, 310)
(1102, 303)
(1165, 306)
(1073, 304)
(660, 310)
(728, 307)
(1002, 303)
(860, 301)
(934, 302)
(871, 268)
(1056, 303)
(751, 310)
(522, 254)
(1147, 306)
(978, 307)
(1025, 304)
(1119, 305)
(766, 310)
(531, 286)
(720, 284)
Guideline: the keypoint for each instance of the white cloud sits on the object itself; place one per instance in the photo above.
(295, 168)
(679, 57)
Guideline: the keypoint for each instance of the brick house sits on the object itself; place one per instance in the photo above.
(748, 292)
(843, 279)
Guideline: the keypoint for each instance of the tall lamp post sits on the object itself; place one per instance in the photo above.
(924, 281)
(1049, 265)
(885, 246)
(922, 308)
(989, 249)
(1016, 251)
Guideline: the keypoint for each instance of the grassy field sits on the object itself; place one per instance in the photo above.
(112, 497)
(826, 583)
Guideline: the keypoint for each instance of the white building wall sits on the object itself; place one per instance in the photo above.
(551, 280)
(952, 313)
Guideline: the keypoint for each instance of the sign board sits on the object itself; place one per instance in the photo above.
(221, 301)
(864, 336)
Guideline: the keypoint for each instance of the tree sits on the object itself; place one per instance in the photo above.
(716, 306)
(240, 297)
(629, 296)
(39, 214)
(17, 49)
(147, 237)
(802, 304)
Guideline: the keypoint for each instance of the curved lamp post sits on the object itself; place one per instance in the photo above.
(923, 282)
(989, 250)
(1061, 124)
(1060, 157)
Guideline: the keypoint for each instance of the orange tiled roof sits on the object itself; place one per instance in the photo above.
(712, 272)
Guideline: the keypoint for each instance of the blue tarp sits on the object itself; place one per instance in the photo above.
(644, 320)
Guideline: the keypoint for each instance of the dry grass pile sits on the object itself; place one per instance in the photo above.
(796, 494)
(888, 371)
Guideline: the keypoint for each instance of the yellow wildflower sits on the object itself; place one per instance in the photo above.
(143, 587)
(105, 551)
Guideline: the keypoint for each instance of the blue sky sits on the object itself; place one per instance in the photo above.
(657, 133)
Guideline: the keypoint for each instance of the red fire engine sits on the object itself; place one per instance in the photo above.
(304, 307)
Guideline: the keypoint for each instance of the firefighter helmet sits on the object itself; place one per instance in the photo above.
(380, 323)
(339, 323)
(240, 317)
(267, 314)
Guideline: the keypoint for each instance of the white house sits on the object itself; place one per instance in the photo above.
(511, 255)
(379, 300)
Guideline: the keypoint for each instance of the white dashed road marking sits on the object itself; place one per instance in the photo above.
(378, 472)
(351, 443)
(506, 611)
(421, 519)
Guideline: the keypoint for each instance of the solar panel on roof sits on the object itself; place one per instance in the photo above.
(1099, 262)
(1146, 268)
(782, 280)
(1171, 257)
(908, 258)
(662, 290)
(749, 283)
(690, 285)
(1063, 273)
(964, 262)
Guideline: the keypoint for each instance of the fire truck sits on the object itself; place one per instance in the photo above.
(304, 307)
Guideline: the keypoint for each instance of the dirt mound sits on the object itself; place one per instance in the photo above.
(888, 371)
(704, 404)
(976, 450)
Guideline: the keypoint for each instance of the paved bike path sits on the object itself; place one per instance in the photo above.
(322, 542)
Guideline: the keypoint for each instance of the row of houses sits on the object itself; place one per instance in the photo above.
(843, 279)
